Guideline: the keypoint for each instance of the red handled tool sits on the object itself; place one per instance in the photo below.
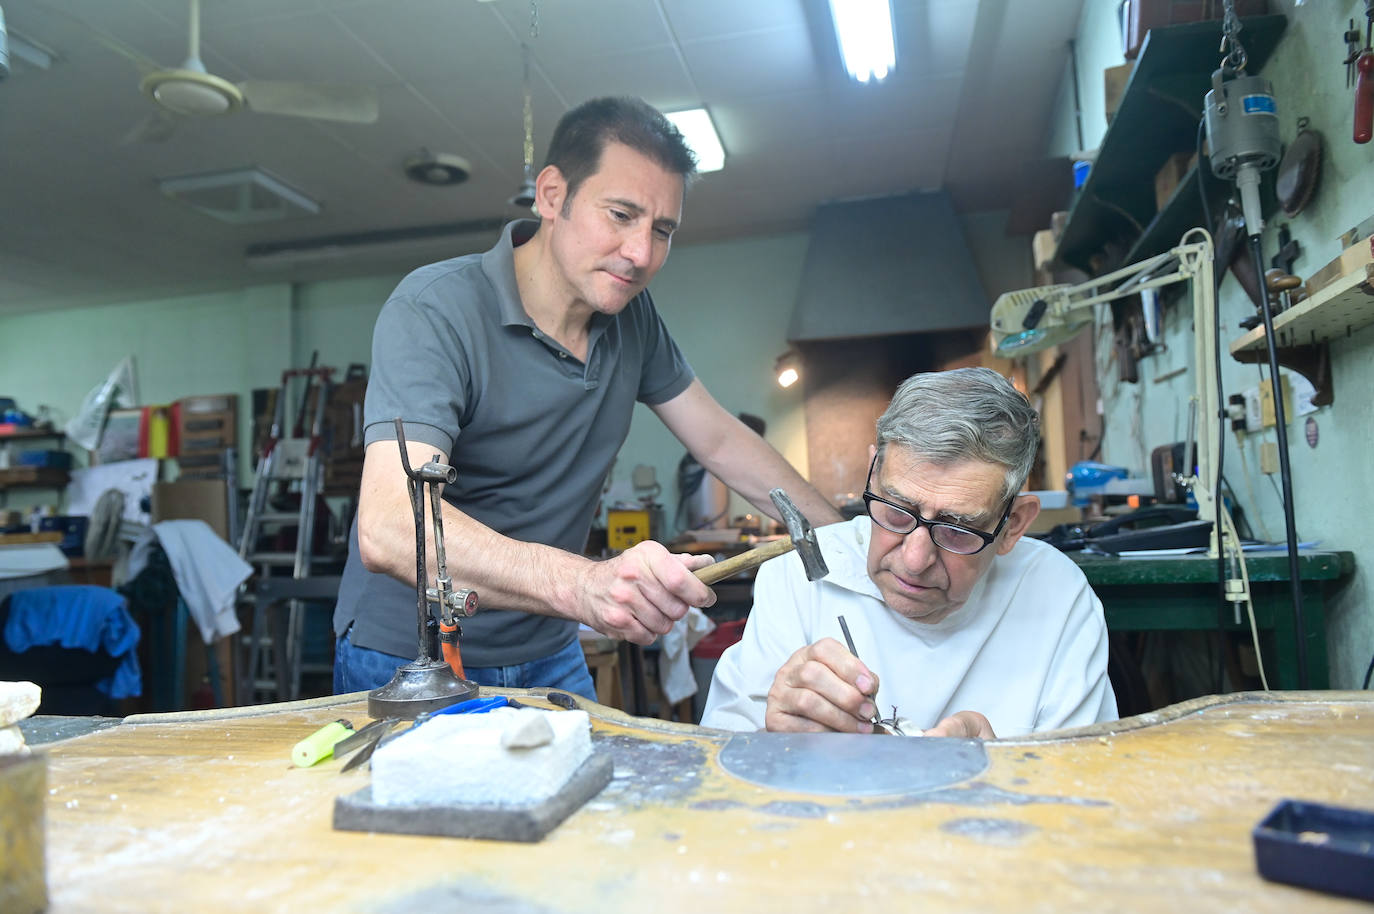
(1364, 76)
(1364, 96)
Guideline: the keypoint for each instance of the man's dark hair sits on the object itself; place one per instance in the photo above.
(583, 132)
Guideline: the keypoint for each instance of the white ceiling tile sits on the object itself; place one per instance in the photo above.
(757, 64)
(462, 42)
(941, 32)
(655, 74)
(693, 20)
(581, 29)
(913, 161)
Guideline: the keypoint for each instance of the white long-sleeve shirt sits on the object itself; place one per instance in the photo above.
(1028, 649)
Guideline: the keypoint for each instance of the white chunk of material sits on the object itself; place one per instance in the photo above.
(530, 731)
(461, 759)
(17, 701)
(12, 741)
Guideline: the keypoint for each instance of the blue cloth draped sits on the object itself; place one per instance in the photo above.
(87, 618)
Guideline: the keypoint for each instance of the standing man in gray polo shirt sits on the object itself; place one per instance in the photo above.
(521, 367)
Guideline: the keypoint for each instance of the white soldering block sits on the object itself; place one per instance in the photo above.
(460, 759)
(17, 701)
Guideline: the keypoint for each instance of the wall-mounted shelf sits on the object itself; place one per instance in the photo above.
(1113, 220)
(1303, 331)
(26, 477)
(33, 477)
(29, 433)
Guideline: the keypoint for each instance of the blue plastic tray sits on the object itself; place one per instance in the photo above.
(1328, 848)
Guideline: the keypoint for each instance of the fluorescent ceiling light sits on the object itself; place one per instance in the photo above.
(240, 196)
(864, 28)
(700, 134)
(32, 53)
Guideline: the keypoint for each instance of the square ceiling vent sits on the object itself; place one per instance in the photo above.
(240, 196)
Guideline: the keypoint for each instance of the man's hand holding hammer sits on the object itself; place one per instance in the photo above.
(640, 593)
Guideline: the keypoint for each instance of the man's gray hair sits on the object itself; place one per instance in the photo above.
(964, 414)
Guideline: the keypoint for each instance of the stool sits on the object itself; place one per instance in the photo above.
(603, 659)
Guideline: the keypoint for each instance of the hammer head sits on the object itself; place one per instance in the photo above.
(803, 536)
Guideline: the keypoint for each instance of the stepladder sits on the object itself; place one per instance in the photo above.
(278, 534)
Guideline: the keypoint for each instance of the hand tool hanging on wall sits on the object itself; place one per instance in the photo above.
(1363, 66)
(1299, 172)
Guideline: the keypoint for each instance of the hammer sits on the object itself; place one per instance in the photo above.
(801, 536)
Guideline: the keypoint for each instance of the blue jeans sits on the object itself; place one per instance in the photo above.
(359, 669)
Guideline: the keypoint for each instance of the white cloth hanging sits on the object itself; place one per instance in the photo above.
(208, 572)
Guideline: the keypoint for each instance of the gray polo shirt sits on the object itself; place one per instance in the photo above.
(531, 430)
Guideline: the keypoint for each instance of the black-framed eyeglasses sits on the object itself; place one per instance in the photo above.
(950, 537)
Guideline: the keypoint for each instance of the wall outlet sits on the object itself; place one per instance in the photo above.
(1235, 411)
(1253, 422)
(1269, 458)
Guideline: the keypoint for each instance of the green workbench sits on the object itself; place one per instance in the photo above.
(1179, 593)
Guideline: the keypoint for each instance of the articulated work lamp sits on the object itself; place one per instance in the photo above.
(1030, 320)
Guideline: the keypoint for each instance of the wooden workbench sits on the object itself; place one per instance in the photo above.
(203, 812)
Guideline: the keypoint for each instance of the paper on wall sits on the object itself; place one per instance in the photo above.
(134, 478)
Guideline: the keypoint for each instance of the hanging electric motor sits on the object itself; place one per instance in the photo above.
(1242, 123)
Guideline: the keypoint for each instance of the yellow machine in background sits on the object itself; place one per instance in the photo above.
(624, 528)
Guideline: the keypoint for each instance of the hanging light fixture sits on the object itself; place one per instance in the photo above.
(524, 197)
(788, 368)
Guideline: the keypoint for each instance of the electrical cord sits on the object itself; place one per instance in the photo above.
(1225, 517)
(1202, 184)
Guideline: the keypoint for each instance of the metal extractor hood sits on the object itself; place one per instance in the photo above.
(886, 266)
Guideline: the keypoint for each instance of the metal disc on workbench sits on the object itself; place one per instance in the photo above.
(839, 764)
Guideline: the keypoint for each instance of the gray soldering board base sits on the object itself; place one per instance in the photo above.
(530, 822)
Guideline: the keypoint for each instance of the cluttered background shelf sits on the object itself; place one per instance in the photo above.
(1116, 217)
(32, 469)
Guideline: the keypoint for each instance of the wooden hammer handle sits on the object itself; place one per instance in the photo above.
(744, 561)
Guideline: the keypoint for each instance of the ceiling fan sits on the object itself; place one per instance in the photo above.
(191, 91)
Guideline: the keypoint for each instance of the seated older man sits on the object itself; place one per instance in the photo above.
(974, 629)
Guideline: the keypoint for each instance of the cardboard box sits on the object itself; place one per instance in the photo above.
(1358, 255)
(1049, 518)
(1170, 175)
(193, 499)
(1143, 15)
(1114, 81)
(207, 426)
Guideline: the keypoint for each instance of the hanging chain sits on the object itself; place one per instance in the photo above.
(529, 108)
(1234, 58)
(529, 115)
